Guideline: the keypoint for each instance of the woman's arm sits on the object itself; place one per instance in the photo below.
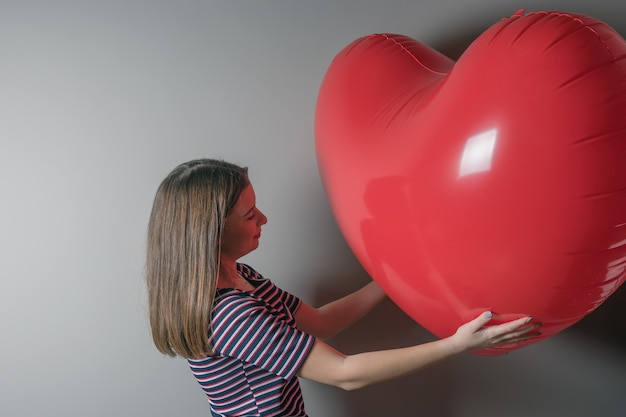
(326, 321)
(326, 365)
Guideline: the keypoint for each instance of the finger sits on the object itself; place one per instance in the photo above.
(526, 332)
(522, 330)
(519, 334)
(509, 330)
(511, 340)
(480, 321)
(512, 326)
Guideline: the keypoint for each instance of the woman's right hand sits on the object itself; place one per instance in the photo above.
(475, 334)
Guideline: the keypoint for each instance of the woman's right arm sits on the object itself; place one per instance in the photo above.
(328, 366)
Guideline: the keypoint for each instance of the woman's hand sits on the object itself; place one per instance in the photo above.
(474, 335)
(328, 366)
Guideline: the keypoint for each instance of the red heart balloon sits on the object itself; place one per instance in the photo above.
(494, 183)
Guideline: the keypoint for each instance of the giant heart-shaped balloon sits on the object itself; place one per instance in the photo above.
(494, 183)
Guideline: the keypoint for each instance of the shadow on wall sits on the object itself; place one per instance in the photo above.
(608, 322)
(454, 45)
(386, 327)
(456, 42)
(427, 393)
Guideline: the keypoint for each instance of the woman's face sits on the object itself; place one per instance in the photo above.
(243, 226)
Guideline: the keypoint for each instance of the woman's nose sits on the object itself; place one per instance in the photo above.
(262, 218)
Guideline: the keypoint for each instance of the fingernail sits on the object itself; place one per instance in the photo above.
(529, 319)
(488, 315)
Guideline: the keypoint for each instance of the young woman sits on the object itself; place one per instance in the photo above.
(246, 340)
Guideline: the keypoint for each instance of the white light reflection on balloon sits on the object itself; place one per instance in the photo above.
(478, 153)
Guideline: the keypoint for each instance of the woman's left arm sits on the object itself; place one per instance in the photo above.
(327, 321)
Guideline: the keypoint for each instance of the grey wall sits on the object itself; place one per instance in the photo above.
(100, 99)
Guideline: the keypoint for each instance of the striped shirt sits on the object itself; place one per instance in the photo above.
(258, 352)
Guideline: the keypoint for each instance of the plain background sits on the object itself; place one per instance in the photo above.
(99, 100)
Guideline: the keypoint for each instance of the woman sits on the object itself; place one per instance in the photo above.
(246, 340)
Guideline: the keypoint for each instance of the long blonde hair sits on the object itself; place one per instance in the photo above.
(182, 263)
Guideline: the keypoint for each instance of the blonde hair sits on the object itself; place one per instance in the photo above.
(182, 263)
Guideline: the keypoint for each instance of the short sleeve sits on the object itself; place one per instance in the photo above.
(250, 330)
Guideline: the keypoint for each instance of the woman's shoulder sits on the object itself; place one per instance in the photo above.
(233, 301)
(263, 287)
(249, 273)
(233, 295)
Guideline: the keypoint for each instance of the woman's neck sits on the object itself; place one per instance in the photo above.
(229, 277)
